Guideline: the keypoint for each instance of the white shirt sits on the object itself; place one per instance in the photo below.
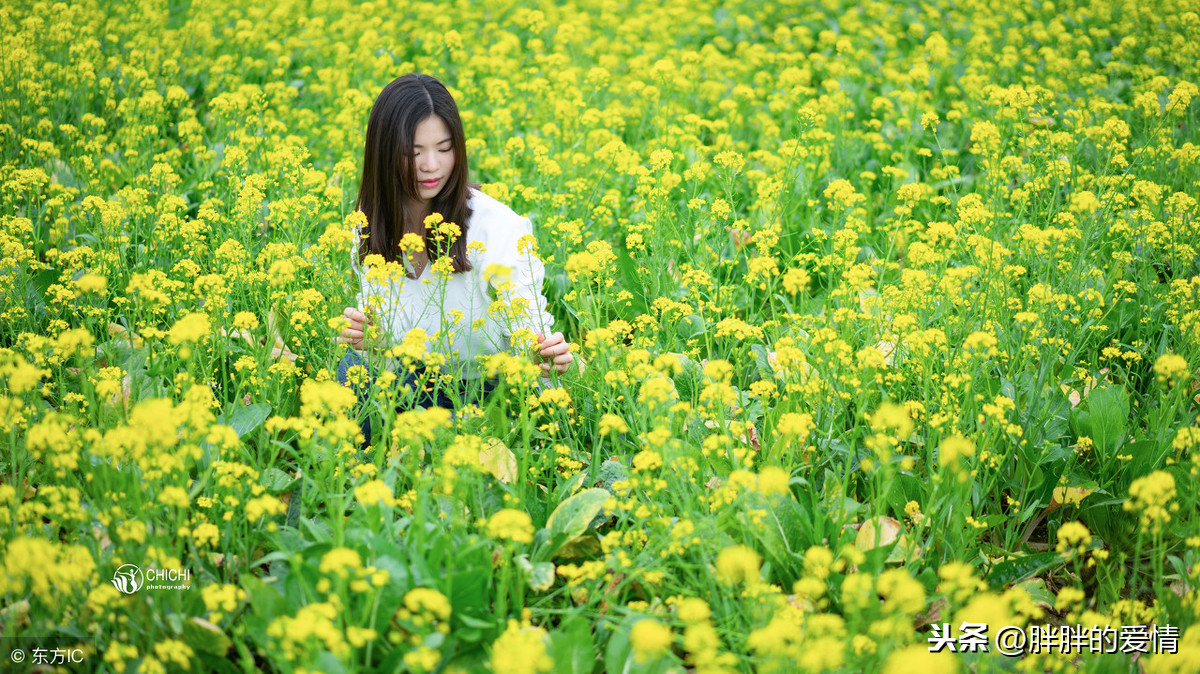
(457, 313)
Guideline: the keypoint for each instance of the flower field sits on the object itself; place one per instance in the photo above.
(888, 316)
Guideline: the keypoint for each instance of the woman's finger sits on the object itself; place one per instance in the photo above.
(556, 348)
(355, 316)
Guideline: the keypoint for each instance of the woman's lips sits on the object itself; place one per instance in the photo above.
(430, 184)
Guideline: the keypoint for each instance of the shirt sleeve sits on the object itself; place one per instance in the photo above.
(517, 277)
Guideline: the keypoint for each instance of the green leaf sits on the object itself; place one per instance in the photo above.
(1015, 570)
(276, 481)
(1147, 457)
(539, 576)
(43, 280)
(762, 361)
(266, 601)
(476, 623)
(765, 525)
(587, 547)
(276, 556)
(690, 327)
(247, 418)
(1109, 410)
(571, 519)
(498, 460)
(1038, 592)
(571, 646)
(317, 531)
(206, 637)
(631, 279)
(467, 591)
(329, 663)
(572, 516)
(688, 381)
(618, 656)
(611, 471)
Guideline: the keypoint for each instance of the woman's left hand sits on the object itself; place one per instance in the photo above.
(555, 352)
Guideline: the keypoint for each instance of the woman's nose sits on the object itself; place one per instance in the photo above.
(428, 163)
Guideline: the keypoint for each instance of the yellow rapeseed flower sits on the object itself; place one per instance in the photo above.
(1153, 498)
(917, 658)
(189, 329)
(649, 639)
(738, 564)
(521, 649)
(1170, 368)
(1073, 537)
(375, 492)
(510, 524)
(341, 562)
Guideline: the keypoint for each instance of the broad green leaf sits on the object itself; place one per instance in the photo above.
(587, 547)
(611, 471)
(539, 576)
(762, 523)
(1109, 411)
(1072, 495)
(328, 663)
(248, 417)
(266, 601)
(468, 591)
(690, 327)
(206, 637)
(762, 361)
(572, 647)
(499, 461)
(618, 656)
(881, 531)
(276, 481)
(572, 516)
(877, 532)
(1038, 592)
(1147, 456)
(1015, 570)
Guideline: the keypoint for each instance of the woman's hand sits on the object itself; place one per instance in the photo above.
(555, 352)
(354, 334)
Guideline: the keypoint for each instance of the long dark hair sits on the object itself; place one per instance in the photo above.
(389, 179)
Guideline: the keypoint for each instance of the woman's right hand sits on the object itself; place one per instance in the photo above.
(354, 334)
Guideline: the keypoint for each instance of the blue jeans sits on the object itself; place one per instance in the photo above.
(466, 391)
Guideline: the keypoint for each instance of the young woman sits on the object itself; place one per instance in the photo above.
(463, 291)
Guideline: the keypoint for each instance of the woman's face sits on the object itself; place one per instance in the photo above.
(433, 157)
